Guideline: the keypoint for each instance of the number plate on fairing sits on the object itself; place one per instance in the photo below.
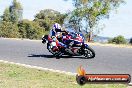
(53, 44)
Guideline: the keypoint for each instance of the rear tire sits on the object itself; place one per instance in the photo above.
(89, 53)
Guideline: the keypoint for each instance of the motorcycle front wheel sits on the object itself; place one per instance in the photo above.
(55, 53)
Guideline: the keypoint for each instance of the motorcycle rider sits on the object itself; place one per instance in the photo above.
(56, 34)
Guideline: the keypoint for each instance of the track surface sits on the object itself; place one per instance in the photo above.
(107, 60)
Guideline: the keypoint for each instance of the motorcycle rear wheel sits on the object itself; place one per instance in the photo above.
(89, 53)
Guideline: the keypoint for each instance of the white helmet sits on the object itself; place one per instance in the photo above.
(56, 27)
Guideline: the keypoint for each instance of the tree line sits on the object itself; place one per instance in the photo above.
(12, 25)
(86, 16)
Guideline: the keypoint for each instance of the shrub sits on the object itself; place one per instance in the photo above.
(118, 40)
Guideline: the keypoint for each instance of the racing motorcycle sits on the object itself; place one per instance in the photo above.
(76, 44)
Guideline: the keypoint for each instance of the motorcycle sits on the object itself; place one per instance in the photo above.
(76, 44)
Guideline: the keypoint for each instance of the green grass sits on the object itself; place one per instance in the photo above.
(13, 76)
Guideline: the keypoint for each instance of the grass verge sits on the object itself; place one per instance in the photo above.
(13, 76)
(111, 45)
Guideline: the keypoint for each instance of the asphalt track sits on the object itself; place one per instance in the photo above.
(108, 59)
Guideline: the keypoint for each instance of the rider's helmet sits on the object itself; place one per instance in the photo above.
(56, 27)
(57, 30)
